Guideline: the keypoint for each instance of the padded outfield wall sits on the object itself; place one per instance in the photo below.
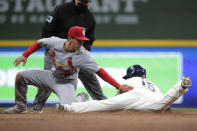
(165, 67)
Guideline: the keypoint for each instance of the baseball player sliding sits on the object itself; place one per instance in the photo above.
(137, 94)
(62, 78)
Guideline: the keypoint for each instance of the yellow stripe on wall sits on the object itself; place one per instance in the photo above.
(113, 43)
(16, 43)
(148, 43)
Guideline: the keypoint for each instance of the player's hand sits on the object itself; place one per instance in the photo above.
(125, 88)
(19, 60)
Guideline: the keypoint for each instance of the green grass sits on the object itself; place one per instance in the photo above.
(186, 109)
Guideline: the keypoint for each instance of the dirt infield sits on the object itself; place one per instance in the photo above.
(100, 121)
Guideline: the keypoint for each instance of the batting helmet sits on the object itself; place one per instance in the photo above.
(135, 71)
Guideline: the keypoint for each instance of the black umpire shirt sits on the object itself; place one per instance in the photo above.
(64, 17)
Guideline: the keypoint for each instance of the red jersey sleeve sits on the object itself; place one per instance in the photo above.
(31, 49)
(106, 77)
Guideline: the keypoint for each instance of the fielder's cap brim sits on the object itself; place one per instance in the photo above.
(82, 38)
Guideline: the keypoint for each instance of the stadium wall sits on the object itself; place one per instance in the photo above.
(120, 19)
(161, 71)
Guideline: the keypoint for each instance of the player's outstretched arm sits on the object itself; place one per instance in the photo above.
(108, 78)
(19, 60)
(26, 54)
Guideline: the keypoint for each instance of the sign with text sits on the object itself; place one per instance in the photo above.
(119, 19)
(116, 66)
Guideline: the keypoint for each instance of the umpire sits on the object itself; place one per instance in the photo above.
(64, 16)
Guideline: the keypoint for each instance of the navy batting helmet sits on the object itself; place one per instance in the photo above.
(135, 71)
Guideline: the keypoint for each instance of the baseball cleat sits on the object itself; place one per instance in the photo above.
(82, 97)
(186, 82)
(37, 108)
(15, 110)
(58, 107)
(37, 111)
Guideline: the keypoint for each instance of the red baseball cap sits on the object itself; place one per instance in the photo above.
(78, 33)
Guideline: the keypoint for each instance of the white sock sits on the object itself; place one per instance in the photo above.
(67, 107)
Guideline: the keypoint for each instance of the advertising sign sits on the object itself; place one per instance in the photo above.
(119, 19)
(116, 66)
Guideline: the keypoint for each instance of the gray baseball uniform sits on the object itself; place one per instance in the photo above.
(62, 78)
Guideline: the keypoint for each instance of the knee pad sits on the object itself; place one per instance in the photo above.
(19, 76)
